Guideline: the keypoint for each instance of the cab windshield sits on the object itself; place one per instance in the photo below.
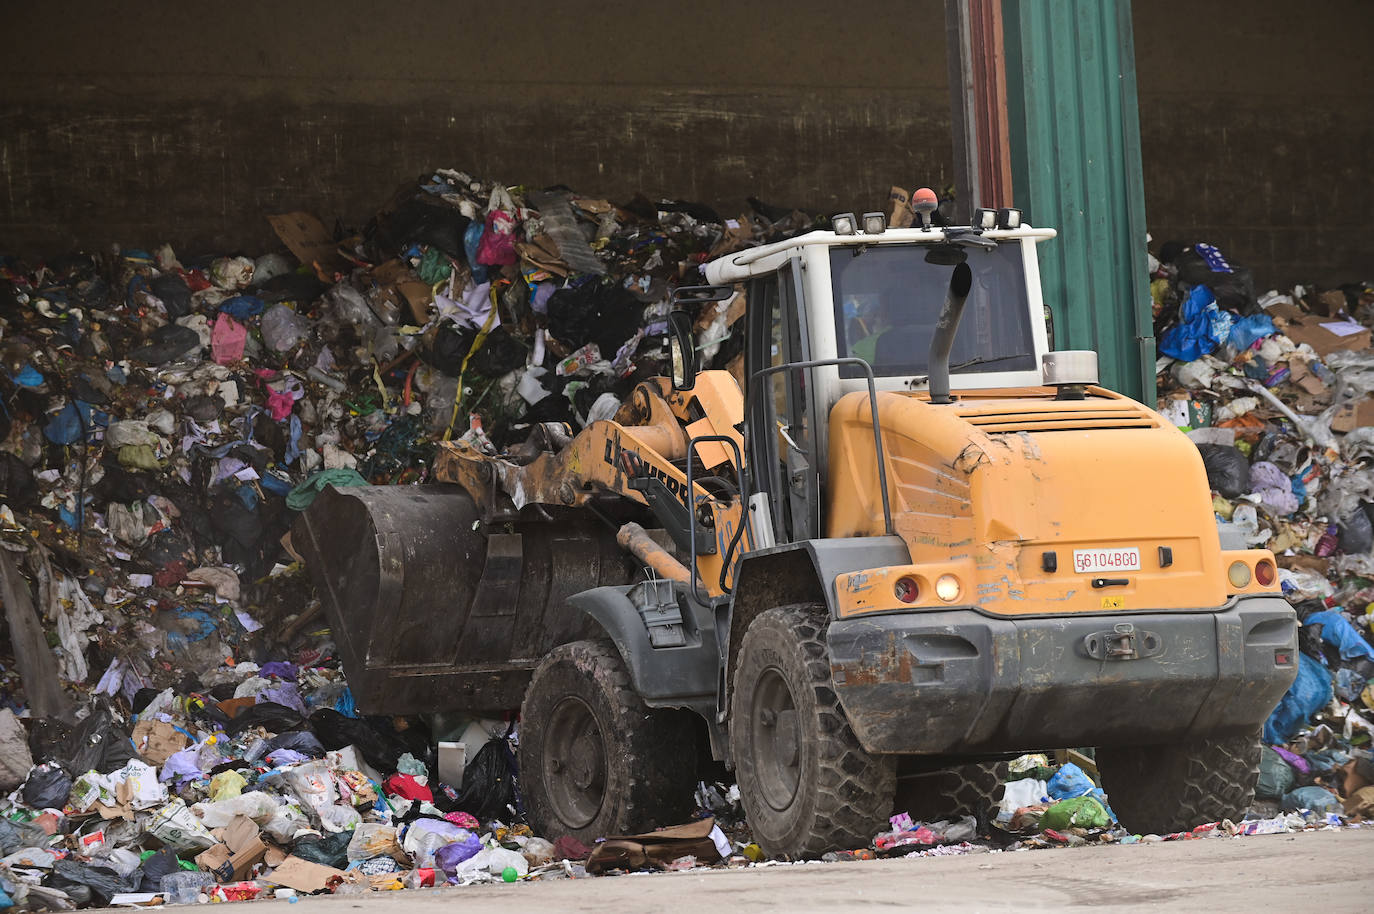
(888, 299)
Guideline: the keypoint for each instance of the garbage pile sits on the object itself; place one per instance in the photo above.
(173, 706)
(1275, 391)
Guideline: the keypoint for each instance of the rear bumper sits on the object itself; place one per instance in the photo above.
(959, 681)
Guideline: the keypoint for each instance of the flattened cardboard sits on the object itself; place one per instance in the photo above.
(155, 741)
(306, 237)
(1351, 416)
(1330, 303)
(1302, 376)
(1307, 328)
(302, 875)
(419, 296)
(660, 847)
(216, 861)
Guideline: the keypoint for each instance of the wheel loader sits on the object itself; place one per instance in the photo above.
(917, 540)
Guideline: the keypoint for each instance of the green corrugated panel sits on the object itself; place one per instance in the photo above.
(1075, 152)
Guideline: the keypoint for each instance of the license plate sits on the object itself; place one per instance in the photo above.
(1090, 561)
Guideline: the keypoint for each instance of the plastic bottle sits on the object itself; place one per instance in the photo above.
(1326, 544)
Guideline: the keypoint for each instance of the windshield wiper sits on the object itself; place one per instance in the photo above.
(985, 360)
(969, 363)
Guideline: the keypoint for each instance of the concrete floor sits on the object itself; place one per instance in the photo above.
(1331, 872)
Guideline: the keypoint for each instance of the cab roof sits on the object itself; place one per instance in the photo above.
(750, 262)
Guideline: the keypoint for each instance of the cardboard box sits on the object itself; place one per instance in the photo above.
(302, 875)
(241, 849)
(1353, 415)
(306, 237)
(1301, 327)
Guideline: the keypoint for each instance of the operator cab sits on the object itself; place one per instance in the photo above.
(875, 295)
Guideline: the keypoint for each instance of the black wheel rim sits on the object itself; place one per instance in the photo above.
(776, 740)
(575, 763)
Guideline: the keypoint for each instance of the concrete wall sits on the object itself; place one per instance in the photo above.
(187, 122)
(1257, 130)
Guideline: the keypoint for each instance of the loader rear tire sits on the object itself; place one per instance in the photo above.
(961, 790)
(594, 759)
(1173, 788)
(806, 784)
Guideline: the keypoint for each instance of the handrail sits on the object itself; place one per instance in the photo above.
(691, 505)
(873, 408)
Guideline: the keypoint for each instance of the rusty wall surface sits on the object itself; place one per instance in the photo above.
(166, 123)
(184, 122)
(1257, 131)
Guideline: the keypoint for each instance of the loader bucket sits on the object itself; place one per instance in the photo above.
(430, 614)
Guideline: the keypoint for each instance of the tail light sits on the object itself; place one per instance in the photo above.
(906, 590)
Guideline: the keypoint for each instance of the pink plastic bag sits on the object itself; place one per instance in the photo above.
(226, 339)
(279, 404)
(497, 248)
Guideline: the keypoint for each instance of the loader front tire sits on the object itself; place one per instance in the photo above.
(1177, 787)
(806, 783)
(594, 759)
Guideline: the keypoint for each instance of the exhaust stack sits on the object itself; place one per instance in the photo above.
(959, 285)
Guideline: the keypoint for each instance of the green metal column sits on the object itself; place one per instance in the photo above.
(1075, 153)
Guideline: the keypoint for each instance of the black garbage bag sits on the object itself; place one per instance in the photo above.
(47, 787)
(163, 863)
(268, 714)
(298, 287)
(1228, 472)
(14, 835)
(167, 343)
(16, 482)
(1234, 290)
(418, 220)
(489, 782)
(1357, 532)
(175, 295)
(97, 743)
(380, 747)
(104, 883)
(499, 354)
(79, 896)
(331, 850)
(302, 741)
(598, 311)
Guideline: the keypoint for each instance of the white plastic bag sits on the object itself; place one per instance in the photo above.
(1025, 792)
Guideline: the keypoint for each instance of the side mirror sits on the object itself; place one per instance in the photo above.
(700, 294)
(682, 346)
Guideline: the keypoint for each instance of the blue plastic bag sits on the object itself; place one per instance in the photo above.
(72, 421)
(28, 376)
(472, 239)
(1070, 781)
(1309, 693)
(1199, 321)
(1318, 799)
(242, 307)
(1338, 632)
(1245, 330)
